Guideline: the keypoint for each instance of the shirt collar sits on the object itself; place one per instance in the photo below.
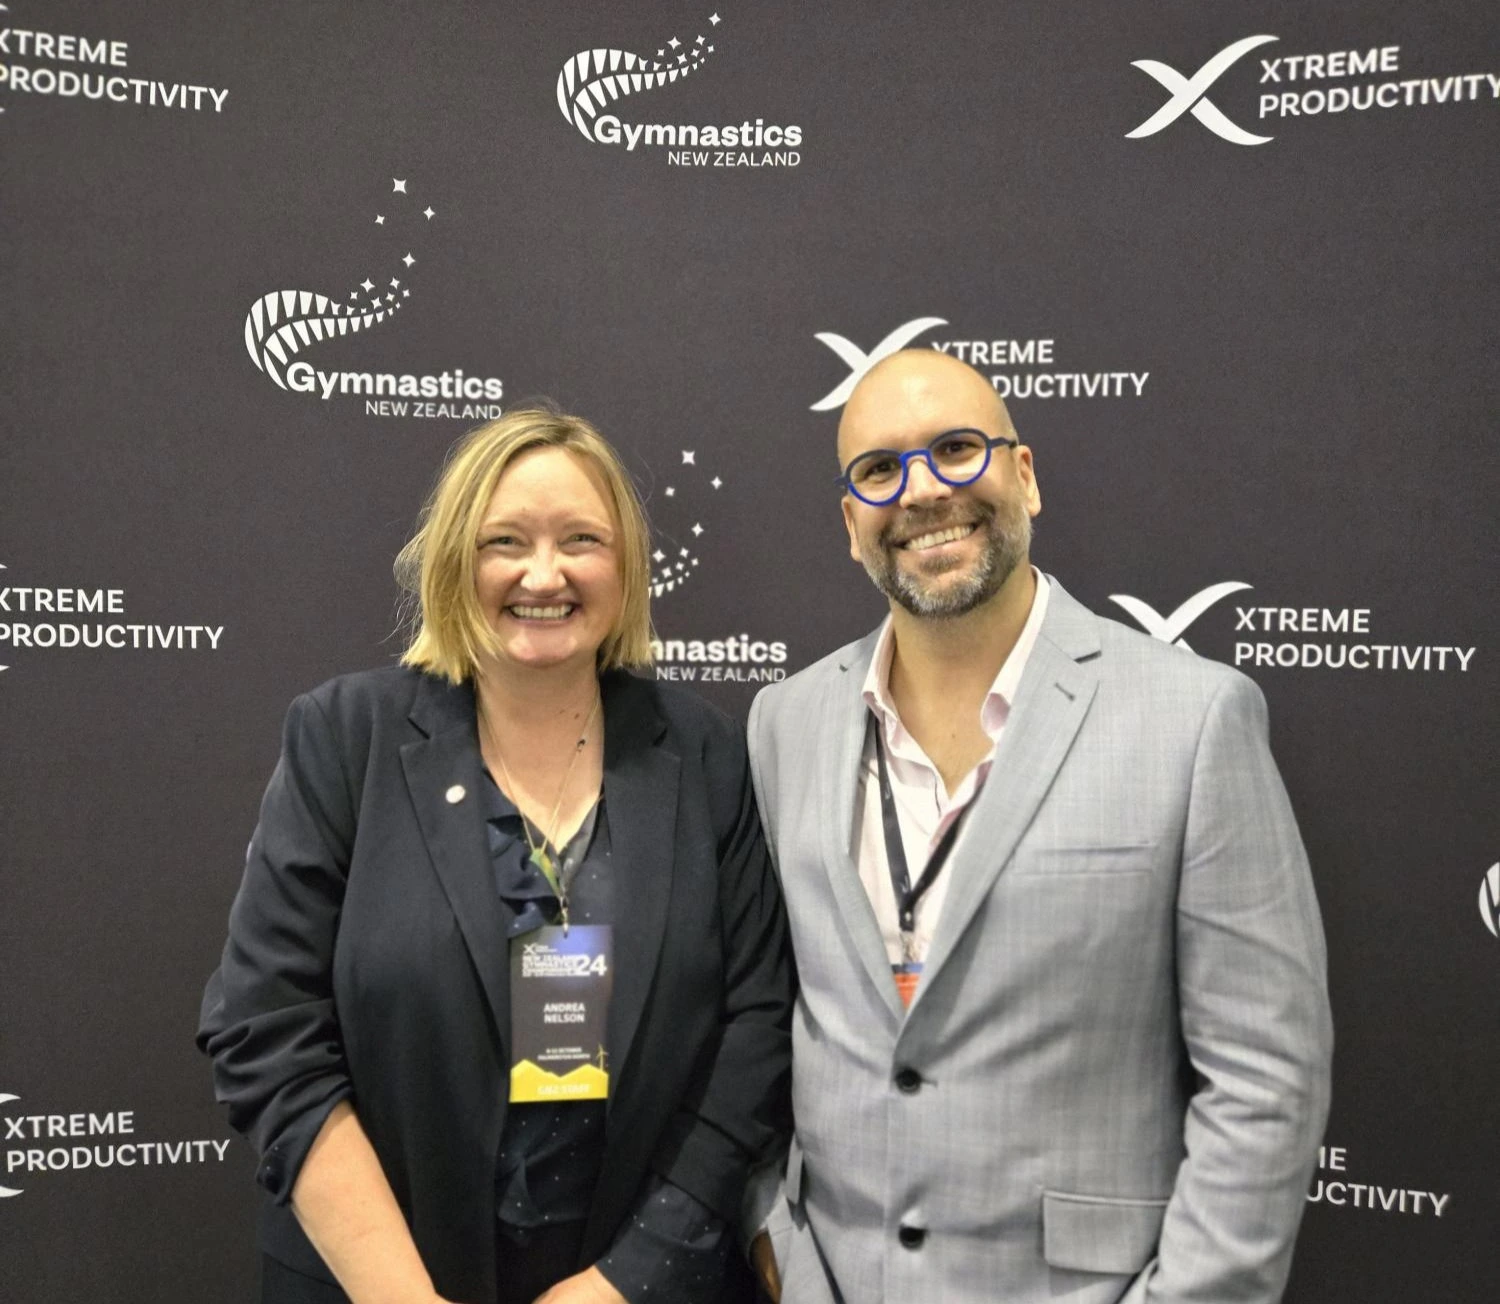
(992, 715)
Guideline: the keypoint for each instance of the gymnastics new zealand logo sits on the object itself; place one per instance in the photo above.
(593, 79)
(1489, 899)
(1190, 94)
(677, 524)
(1171, 627)
(281, 324)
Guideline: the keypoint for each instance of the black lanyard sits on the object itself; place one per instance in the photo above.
(907, 896)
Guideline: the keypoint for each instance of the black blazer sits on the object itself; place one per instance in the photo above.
(367, 960)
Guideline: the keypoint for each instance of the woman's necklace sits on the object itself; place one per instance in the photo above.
(541, 855)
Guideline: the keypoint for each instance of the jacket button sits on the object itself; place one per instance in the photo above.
(909, 1081)
(911, 1238)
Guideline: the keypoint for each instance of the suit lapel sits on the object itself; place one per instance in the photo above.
(840, 750)
(447, 761)
(641, 781)
(1055, 693)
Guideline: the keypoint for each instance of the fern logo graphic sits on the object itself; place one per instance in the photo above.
(281, 324)
(593, 79)
(677, 518)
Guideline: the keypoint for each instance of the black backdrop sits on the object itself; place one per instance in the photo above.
(1267, 365)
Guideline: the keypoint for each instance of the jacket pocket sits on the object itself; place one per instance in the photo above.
(1100, 1233)
(1121, 860)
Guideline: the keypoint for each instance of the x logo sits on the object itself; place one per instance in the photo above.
(1170, 629)
(13, 1125)
(859, 362)
(1489, 899)
(1188, 94)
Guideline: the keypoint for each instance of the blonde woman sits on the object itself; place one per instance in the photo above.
(385, 1026)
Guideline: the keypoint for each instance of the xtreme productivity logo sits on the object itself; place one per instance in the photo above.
(1324, 638)
(1030, 365)
(281, 324)
(35, 1145)
(597, 79)
(72, 66)
(87, 617)
(1300, 86)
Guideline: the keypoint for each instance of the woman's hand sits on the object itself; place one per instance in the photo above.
(586, 1287)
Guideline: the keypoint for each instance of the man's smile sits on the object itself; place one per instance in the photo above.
(936, 538)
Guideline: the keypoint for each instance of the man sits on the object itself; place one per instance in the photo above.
(1063, 1030)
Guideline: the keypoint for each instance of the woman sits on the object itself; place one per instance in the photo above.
(432, 828)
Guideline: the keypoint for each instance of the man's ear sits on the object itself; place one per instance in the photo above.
(1026, 473)
(848, 506)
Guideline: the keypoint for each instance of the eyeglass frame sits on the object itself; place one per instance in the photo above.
(990, 444)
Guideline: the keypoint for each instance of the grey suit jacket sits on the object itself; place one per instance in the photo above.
(1113, 1080)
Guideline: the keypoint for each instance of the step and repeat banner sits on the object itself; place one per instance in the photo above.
(1232, 265)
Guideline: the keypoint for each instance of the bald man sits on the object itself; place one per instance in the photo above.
(1063, 1031)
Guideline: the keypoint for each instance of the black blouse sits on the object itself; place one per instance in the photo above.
(674, 1248)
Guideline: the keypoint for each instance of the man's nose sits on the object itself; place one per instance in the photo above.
(922, 484)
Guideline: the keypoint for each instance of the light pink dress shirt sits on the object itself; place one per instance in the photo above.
(923, 807)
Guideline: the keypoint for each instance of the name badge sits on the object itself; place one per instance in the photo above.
(559, 1003)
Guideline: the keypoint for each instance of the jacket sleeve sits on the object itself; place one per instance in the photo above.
(268, 1018)
(741, 1109)
(1255, 1020)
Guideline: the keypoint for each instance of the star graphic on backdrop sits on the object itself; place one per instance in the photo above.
(682, 58)
(695, 561)
(671, 492)
(428, 213)
(660, 53)
(375, 302)
(379, 220)
(716, 482)
(367, 285)
(697, 529)
(715, 19)
(395, 284)
(406, 294)
(683, 552)
(701, 39)
(408, 260)
(390, 298)
(710, 49)
(687, 458)
(674, 42)
(354, 294)
(400, 187)
(658, 555)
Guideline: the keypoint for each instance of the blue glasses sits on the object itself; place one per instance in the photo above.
(956, 457)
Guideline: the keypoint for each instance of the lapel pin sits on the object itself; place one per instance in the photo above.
(455, 794)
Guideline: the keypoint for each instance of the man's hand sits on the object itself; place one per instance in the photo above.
(763, 1259)
(586, 1287)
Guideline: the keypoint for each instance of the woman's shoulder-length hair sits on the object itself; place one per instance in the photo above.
(450, 635)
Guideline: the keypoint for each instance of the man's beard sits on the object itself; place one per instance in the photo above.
(1006, 531)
